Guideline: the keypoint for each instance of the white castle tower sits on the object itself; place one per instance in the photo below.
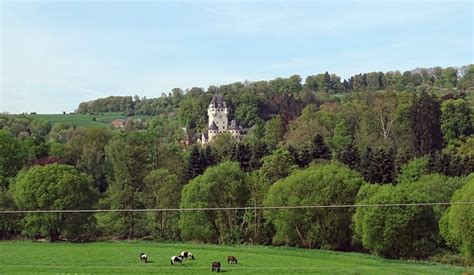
(218, 112)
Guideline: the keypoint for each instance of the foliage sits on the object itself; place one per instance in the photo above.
(12, 158)
(224, 185)
(457, 225)
(456, 119)
(399, 231)
(377, 165)
(162, 190)
(55, 186)
(322, 184)
(277, 165)
(9, 223)
(130, 160)
(413, 170)
(425, 124)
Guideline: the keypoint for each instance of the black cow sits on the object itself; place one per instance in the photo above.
(231, 260)
(216, 266)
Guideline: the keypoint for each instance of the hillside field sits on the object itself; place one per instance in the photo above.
(122, 257)
(86, 120)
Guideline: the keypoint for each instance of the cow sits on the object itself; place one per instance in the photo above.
(176, 259)
(143, 257)
(231, 260)
(216, 266)
(187, 254)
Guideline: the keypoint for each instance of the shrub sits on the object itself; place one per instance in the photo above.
(457, 223)
(323, 184)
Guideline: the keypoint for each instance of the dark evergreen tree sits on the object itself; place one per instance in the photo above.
(346, 85)
(349, 156)
(294, 155)
(425, 114)
(241, 153)
(258, 151)
(378, 165)
(319, 150)
(450, 165)
(210, 156)
(304, 157)
(384, 160)
(196, 165)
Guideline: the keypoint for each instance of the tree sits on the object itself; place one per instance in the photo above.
(9, 223)
(87, 147)
(349, 156)
(196, 163)
(302, 130)
(377, 165)
(224, 185)
(399, 231)
(456, 119)
(413, 170)
(55, 186)
(130, 158)
(450, 76)
(425, 117)
(12, 158)
(323, 184)
(274, 131)
(319, 150)
(457, 225)
(162, 190)
(385, 105)
(277, 165)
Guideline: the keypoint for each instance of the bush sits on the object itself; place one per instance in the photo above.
(457, 224)
(224, 185)
(55, 186)
(323, 184)
(397, 232)
(413, 170)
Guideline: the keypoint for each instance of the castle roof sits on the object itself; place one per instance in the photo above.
(213, 126)
(218, 102)
(234, 125)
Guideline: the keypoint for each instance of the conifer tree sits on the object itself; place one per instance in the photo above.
(425, 115)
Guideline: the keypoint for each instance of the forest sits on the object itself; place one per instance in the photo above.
(374, 138)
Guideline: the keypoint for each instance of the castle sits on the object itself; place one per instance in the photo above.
(218, 113)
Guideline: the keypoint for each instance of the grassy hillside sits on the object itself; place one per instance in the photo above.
(80, 120)
(122, 257)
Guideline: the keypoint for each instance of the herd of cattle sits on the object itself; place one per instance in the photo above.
(216, 266)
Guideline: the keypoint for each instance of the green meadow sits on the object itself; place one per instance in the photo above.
(28, 257)
(87, 120)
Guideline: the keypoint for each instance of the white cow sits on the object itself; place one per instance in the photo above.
(176, 259)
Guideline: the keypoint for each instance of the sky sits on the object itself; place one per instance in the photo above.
(56, 54)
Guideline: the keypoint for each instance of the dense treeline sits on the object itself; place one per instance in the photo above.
(321, 142)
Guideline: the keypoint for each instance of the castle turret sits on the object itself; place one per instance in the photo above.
(217, 113)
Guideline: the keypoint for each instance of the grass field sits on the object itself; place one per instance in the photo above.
(122, 257)
(81, 120)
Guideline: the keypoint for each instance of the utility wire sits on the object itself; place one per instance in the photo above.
(237, 208)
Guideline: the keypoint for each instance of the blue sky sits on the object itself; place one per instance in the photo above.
(55, 55)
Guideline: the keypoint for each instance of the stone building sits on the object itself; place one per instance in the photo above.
(218, 114)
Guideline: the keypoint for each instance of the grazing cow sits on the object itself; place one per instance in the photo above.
(176, 259)
(231, 260)
(143, 257)
(187, 254)
(216, 266)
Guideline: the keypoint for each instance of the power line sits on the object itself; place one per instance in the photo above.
(236, 208)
